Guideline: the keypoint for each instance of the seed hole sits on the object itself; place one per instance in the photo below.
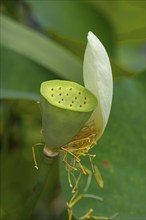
(80, 105)
(52, 89)
(70, 89)
(76, 98)
(84, 103)
(52, 95)
(59, 102)
(59, 88)
(62, 99)
(67, 94)
(70, 105)
(85, 98)
(59, 94)
(79, 93)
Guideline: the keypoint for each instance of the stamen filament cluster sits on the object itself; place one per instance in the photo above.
(77, 147)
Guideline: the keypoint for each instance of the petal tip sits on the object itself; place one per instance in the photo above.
(90, 35)
(93, 40)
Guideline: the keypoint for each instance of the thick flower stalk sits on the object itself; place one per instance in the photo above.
(74, 117)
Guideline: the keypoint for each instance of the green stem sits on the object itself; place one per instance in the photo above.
(43, 174)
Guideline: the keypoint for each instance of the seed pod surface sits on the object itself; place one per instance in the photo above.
(65, 106)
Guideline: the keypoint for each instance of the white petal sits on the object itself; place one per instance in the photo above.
(97, 75)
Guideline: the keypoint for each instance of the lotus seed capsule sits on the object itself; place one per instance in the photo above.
(63, 118)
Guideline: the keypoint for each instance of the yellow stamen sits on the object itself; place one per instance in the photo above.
(34, 158)
(82, 168)
(79, 147)
(77, 182)
(69, 179)
(69, 214)
(100, 218)
(68, 151)
(76, 200)
(87, 215)
(98, 176)
(67, 164)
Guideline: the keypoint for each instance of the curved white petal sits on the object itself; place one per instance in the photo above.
(97, 75)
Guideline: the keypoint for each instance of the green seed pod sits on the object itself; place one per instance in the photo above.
(65, 107)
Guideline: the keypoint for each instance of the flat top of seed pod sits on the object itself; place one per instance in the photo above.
(68, 95)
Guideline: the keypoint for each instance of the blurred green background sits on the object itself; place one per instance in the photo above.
(43, 40)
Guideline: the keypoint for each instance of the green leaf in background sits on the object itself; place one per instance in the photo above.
(78, 49)
(137, 35)
(20, 131)
(104, 18)
(127, 16)
(132, 56)
(12, 9)
(19, 71)
(73, 20)
(128, 19)
(21, 77)
(120, 158)
(40, 49)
